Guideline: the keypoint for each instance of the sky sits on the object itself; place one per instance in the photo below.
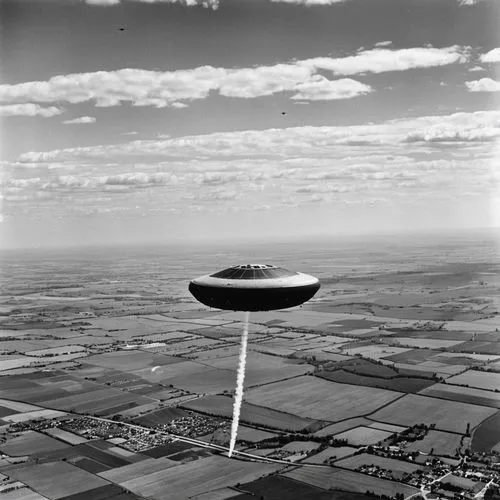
(157, 121)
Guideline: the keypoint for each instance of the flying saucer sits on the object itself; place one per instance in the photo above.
(254, 287)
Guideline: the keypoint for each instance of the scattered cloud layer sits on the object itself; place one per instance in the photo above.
(176, 88)
(81, 119)
(29, 109)
(491, 57)
(380, 60)
(476, 127)
(319, 88)
(483, 85)
(213, 4)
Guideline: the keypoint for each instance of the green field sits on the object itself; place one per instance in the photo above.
(481, 380)
(446, 415)
(440, 443)
(400, 384)
(196, 477)
(222, 406)
(261, 368)
(487, 434)
(463, 394)
(31, 442)
(316, 398)
(363, 436)
(389, 464)
(330, 452)
(56, 479)
(282, 488)
(136, 470)
(345, 425)
(334, 478)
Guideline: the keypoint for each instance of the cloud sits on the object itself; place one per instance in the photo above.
(381, 60)
(332, 2)
(319, 88)
(390, 138)
(81, 119)
(383, 44)
(309, 2)
(264, 80)
(483, 85)
(213, 4)
(102, 2)
(29, 109)
(173, 88)
(476, 68)
(491, 57)
(73, 182)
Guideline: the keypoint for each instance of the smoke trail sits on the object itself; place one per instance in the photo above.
(238, 397)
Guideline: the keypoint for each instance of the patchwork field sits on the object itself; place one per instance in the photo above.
(67, 437)
(160, 417)
(398, 466)
(334, 478)
(130, 360)
(312, 397)
(482, 380)
(446, 415)
(186, 480)
(363, 436)
(136, 470)
(463, 394)
(400, 384)
(437, 442)
(364, 360)
(30, 442)
(342, 426)
(282, 488)
(330, 453)
(222, 406)
(261, 368)
(375, 351)
(487, 435)
(56, 479)
(428, 343)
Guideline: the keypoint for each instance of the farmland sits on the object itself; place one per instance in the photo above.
(320, 399)
(57, 479)
(463, 394)
(331, 454)
(487, 434)
(389, 464)
(196, 477)
(222, 406)
(481, 380)
(363, 435)
(387, 345)
(446, 415)
(437, 442)
(334, 478)
(29, 442)
(282, 488)
(400, 384)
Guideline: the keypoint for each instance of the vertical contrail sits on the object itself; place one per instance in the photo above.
(238, 397)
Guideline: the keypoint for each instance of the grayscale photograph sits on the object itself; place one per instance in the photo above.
(250, 249)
